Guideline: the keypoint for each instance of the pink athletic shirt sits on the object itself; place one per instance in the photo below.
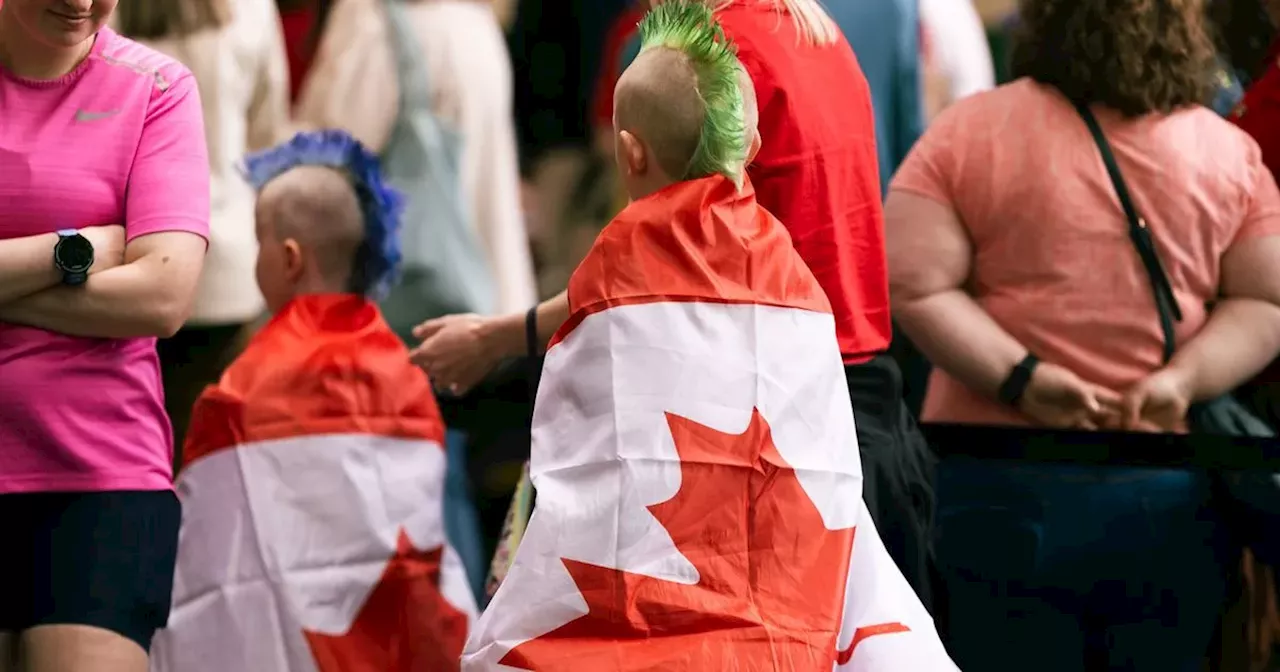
(118, 140)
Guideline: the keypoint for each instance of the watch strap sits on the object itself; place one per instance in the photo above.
(70, 278)
(1015, 384)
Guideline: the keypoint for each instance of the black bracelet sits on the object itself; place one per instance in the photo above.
(533, 364)
(531, 332)
(1012, 388)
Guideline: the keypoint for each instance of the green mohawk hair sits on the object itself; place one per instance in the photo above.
(688, 26)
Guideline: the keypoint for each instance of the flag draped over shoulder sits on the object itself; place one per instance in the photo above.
(698, 483)
(312, 536)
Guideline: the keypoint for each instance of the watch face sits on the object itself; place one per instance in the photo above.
(74, 254)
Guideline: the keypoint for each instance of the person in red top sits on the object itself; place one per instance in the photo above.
(621, 44)
(817, 171)
(1258, 114)
(302, 22)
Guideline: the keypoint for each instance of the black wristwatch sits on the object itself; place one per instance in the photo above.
(73, 256)
(1012, 388)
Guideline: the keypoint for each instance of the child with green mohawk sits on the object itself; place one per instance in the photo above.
(657, 542)
(685, 108)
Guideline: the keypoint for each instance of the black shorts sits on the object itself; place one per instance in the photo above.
(103, 559)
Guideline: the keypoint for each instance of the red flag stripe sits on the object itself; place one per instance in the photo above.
(350, 375)
(696, 241)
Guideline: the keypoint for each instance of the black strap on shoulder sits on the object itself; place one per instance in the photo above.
(1166, 303)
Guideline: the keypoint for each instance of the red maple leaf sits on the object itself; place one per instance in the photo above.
(771, 576)
(405, 625)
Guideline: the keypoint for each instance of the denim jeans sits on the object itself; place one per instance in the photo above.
(461, 521)
(1060, 568)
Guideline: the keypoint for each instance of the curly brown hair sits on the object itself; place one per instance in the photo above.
(1135, 56)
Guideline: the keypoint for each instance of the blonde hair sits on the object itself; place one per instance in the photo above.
(811, 19)
(156, 19)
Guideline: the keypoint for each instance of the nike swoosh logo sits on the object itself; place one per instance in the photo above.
(843, 657)
(83, 115)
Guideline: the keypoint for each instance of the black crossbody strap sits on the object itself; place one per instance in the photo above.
(1166, 303)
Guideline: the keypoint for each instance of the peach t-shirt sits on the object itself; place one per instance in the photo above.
(1053, 263)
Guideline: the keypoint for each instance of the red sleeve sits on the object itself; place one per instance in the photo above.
(1259, 116)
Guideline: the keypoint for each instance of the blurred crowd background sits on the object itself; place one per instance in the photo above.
(521, 90)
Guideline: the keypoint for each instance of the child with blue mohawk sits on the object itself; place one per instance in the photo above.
(326, 221)
(324, 444)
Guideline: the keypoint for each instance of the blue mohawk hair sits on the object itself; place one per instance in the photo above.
(377, 263)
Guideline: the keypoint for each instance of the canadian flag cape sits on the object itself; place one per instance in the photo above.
(312, 534)
(698, 483)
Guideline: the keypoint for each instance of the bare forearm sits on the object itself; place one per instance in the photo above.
(505, 335)
(123, 302)
(956, 334)
(1240, 338)
(26, 266)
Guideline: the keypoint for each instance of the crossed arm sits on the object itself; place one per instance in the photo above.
(26, 266)
(149, 294)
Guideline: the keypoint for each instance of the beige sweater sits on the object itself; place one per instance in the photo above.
(352, 85)
(242, 73)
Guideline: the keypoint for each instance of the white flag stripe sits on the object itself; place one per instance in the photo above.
(877, 593)
(603, 452)
(715, 364)
(290, 535)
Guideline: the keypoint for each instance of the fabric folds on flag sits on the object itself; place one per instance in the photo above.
(698, 483)
(313, 533)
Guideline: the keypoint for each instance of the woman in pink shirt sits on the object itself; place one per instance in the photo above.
(104, 182)
(1012, 269)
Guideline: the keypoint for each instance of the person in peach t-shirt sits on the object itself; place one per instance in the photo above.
(104, 181)
(1012, 269)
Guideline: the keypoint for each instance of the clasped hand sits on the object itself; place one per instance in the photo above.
(1056, 397)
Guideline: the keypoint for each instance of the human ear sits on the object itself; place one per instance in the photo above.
(754, 148)
(633, 157)
(292, 258)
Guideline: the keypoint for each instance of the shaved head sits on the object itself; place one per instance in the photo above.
(318, 207)
(685, 108)
(659, 101)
